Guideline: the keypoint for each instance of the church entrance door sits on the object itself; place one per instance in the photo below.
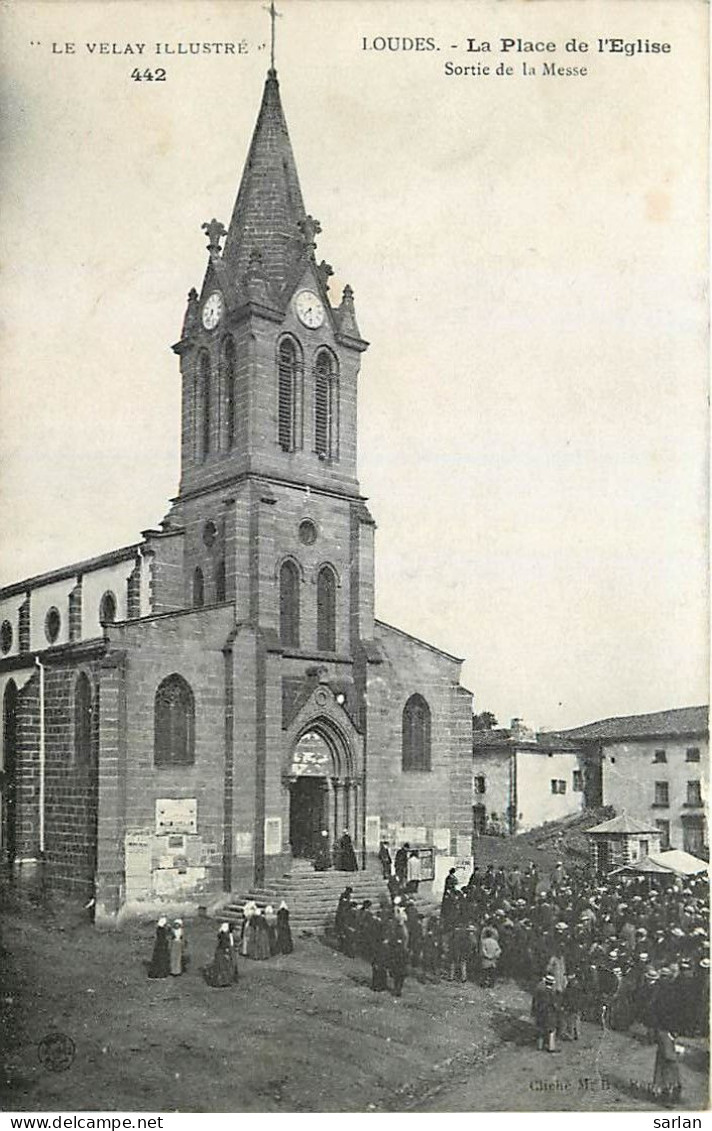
(307, 815)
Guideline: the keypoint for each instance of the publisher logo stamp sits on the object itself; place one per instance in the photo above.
(56, 1052)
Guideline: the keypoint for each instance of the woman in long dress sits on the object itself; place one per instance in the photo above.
(261, 950)
(160, 966)
(666, 1078)
(223, 969)
(247, 936)
(284, 931)
(176, 948)
(271, 920)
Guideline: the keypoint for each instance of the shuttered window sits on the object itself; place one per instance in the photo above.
(228, 382)
(287, 409)
(203, 415)
(325, 406)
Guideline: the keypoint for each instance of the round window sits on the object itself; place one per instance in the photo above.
(5, 637)
(307, 532)
(53, 623)
(210, 533)
(107, 608)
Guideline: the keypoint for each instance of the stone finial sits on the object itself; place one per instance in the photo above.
(325, 271)
(215, 232)
(347, 300)
(347, 315)
(190, 319)
(310, 228)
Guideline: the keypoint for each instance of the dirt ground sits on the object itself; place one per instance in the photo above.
(298, 1033)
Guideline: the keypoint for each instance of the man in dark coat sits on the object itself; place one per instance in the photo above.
(384, 858)
(545, 1013)
(346, 857)
(401, 863)
(397, 955)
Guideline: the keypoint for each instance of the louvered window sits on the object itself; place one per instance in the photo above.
(204, 407)
(287, 395)
(228, 366)
(325, 406)
(198, 589)
(289, 605)
(326, 610)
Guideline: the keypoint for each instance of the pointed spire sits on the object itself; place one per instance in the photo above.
(269, 207)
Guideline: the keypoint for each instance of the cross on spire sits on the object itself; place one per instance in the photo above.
(273, 14)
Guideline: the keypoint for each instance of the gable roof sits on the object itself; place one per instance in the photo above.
(623, 824)
(658, 724)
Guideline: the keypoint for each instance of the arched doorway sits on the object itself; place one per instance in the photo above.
(311, 770)
(8, 775)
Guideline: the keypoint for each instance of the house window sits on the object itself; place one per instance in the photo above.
(662, 793)
(644, 847)
(660, 756)
(287, 366)
(107, 608)
(558, 785)
(289, 605)
(83, 714)
(416, 734)
(577, 784)
(664, 829)
(692, 754)
(326, 610)
(694, 796)
(693, 836)
(198, 589)
(228, 384)
(174, 723)
(325, 405)
(480, 783)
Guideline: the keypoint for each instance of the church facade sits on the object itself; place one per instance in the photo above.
(185, 715)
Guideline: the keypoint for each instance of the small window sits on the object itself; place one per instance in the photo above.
(577, 784)
(694, 794)
(174, 723)
(664, 829)
(662, 793)
(416, 734)
(660, 756)
(289, 605)
(558, 785)
(644, 847)
(307, 532)
(5, 637)
(210, 533)
(53, 623)
(480, 783)
(220, 580)
(326, 610)
(692, 754)
(198, 589)
(107, 608)
(83, 715)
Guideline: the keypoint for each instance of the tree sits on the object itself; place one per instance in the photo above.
(484, 721)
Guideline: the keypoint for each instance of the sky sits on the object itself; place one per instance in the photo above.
(527, 254)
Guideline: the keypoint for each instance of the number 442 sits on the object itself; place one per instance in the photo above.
(159, 75)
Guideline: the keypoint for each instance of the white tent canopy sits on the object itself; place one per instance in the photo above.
(673, 860)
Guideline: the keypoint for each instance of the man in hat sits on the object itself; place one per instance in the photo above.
(545, 1013)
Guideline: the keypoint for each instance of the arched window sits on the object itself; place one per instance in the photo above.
(227, 365)
(325, 406)
(416, 734)
(289, 605)
(326, 610)
(203, 415)
(288, 367)
(220, 580)
(198, 589)
(83, 717)
(174, 723)
(107, 608)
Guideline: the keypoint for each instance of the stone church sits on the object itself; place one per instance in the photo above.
(184, 716)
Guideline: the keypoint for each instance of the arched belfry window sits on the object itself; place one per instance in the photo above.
(227, 368)
(288, 365)
(174, 723)
(326, 405)
(416, 734)
(289, 605)
(198, 589)
(326, 610)
(83, 718)
(203, 406)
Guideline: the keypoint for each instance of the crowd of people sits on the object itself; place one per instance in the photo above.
(616, 951)
(263, 934)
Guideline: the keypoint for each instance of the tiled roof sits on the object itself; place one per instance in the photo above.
(679, 721)
(623, 824)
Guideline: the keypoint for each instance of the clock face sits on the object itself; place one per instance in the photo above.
(212, 310)
(310, 309)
